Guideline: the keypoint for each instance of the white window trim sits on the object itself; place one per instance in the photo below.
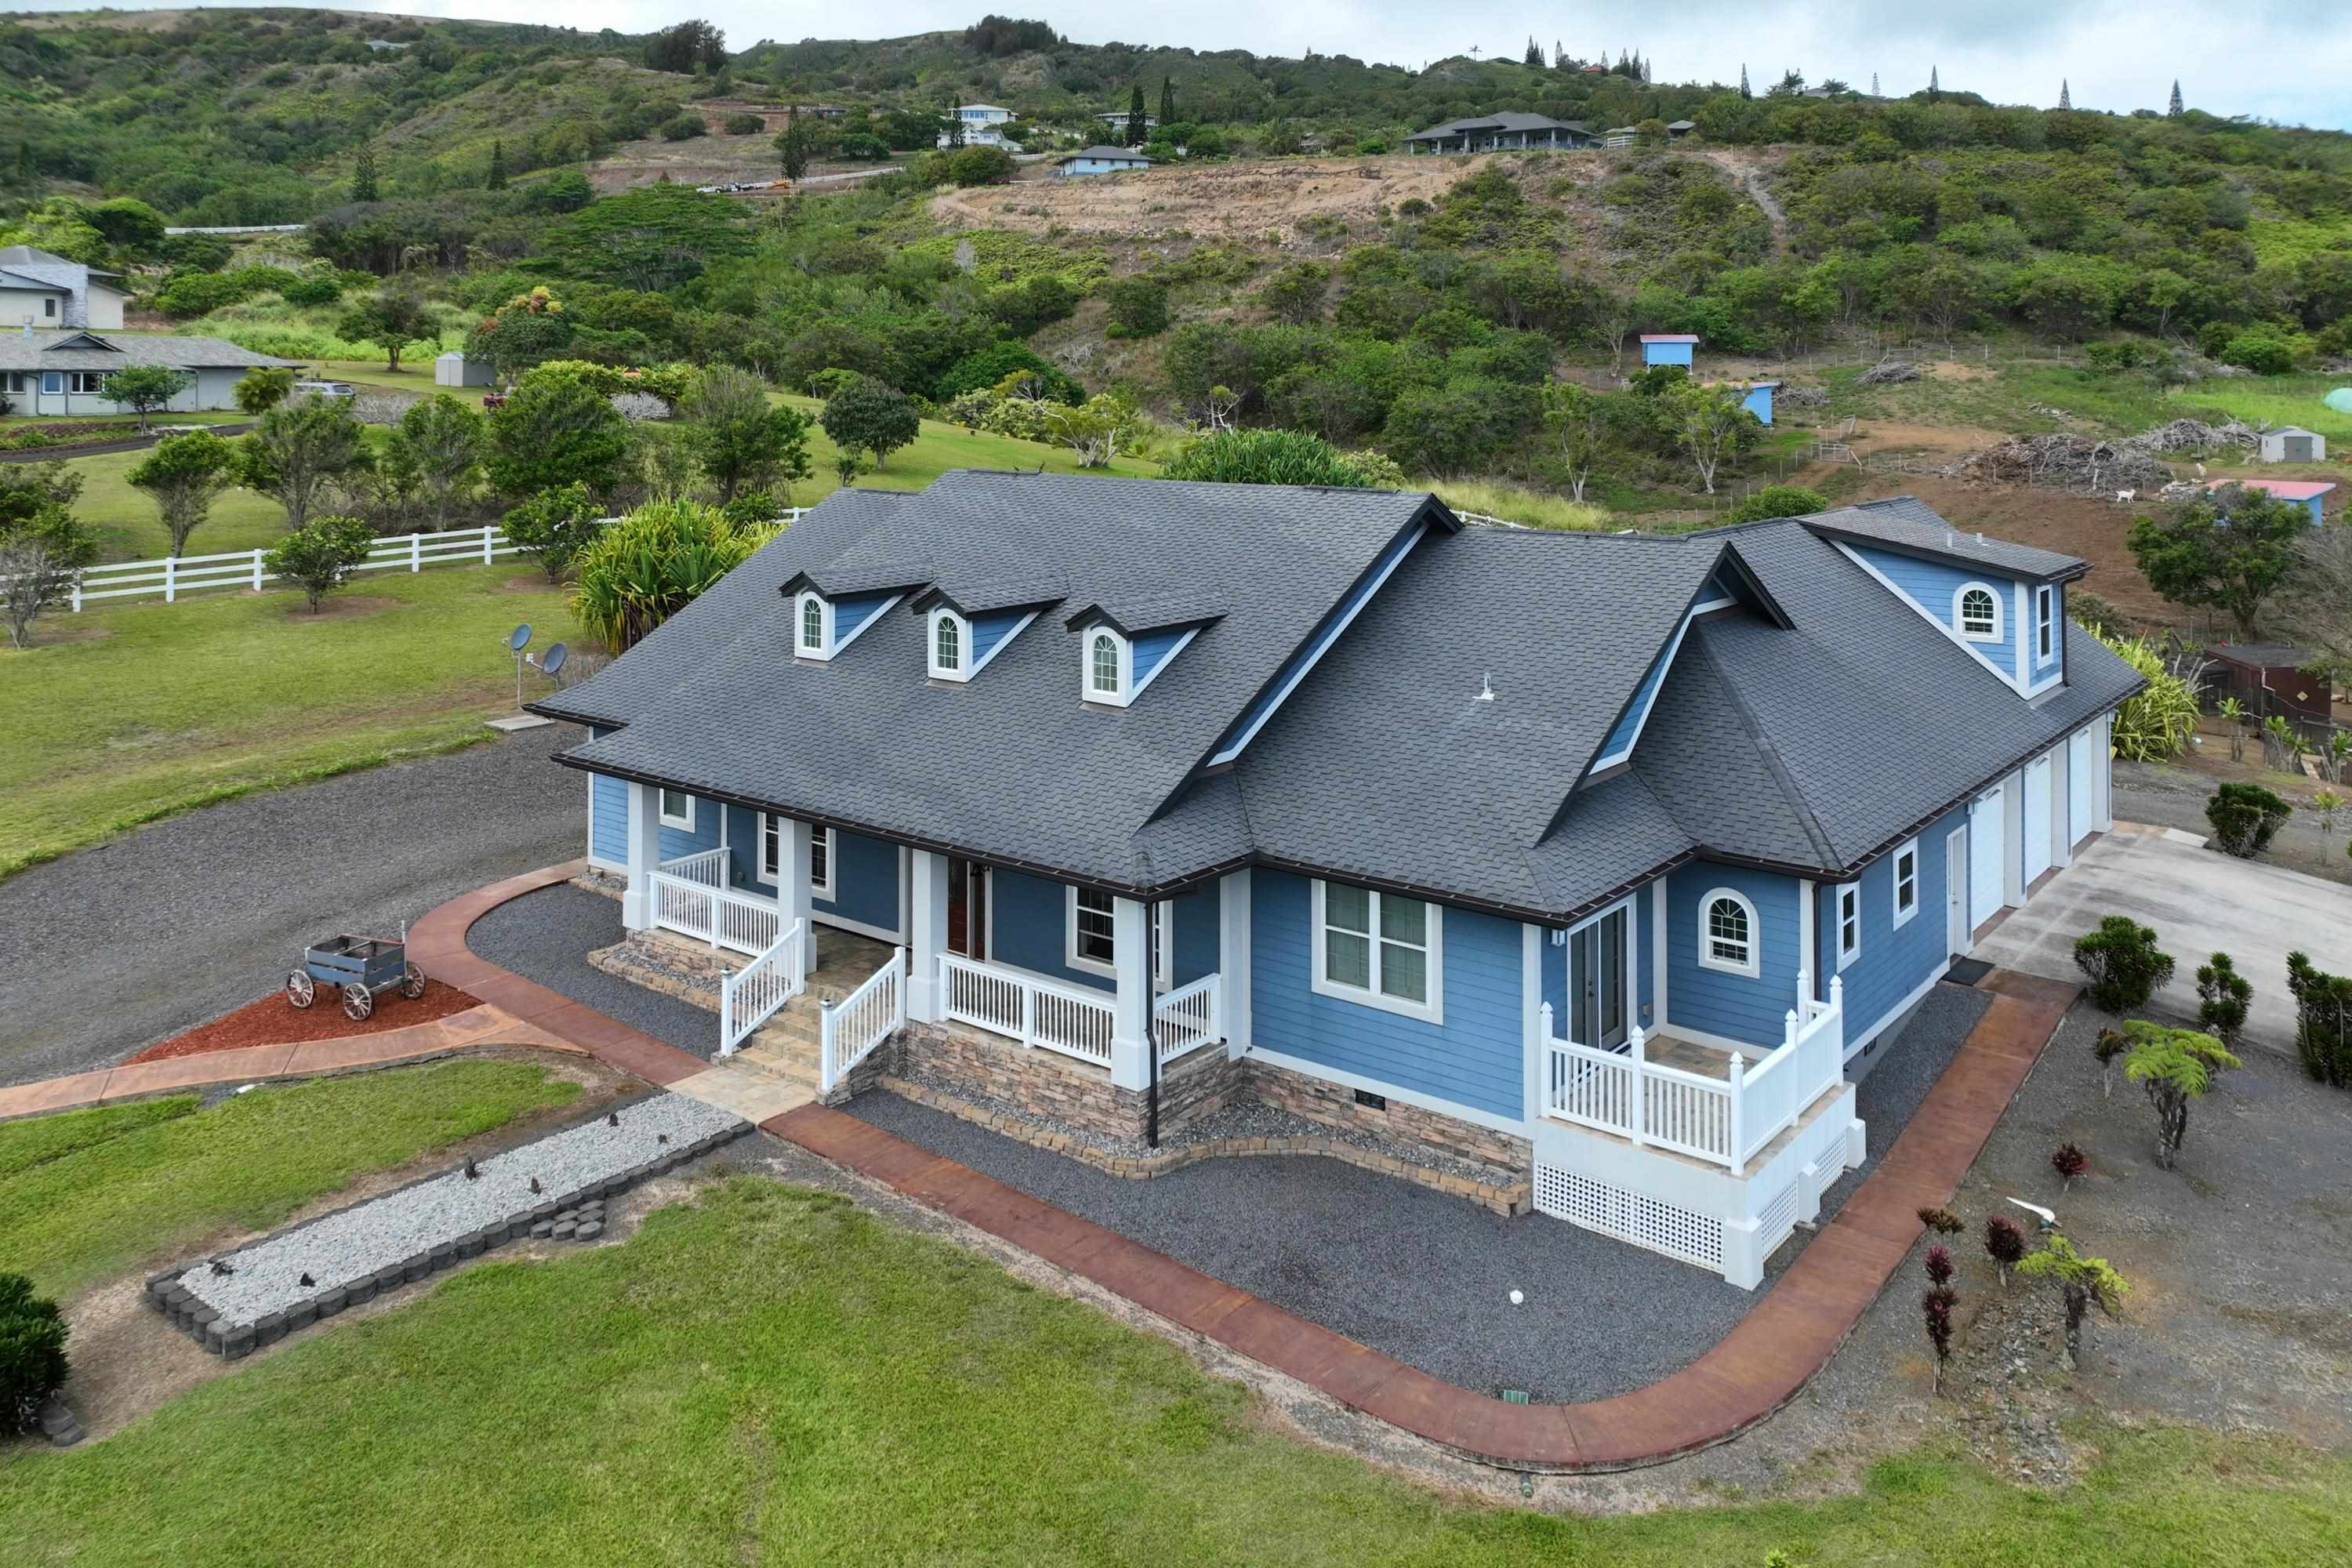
(962, 672)
(1429, 1011)
(1959, 622)
(1125, 692)
(1848, 900)
(767, 868)
(1754, 968)
(799, 612)
(2045, 624)
(1904, 917)
(661, 805)
(1070, 938)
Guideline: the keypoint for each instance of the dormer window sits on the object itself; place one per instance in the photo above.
(822, 627)
(1109, 659)
(816, 626)
(1976, 608)
(950, 642)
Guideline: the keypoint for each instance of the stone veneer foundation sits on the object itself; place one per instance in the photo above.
(1050, 1094)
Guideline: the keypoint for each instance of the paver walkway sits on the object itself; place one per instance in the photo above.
(1754, 1369)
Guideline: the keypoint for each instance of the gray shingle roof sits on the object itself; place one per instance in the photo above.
(1129, 154)
(1508, 120)
(20, 350)
(1906, 525)
(1151, 609)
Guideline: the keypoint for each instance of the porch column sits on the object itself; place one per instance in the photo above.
(645, 854)
(1131, 1029)
(1808, 941)
(793, 888)
(1233, 958)
(927, 929)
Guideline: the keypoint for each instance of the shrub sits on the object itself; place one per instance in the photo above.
(2004, 1244)
(262, 388)
(988, 366)
(1943, 1221)
(1265, 458)
(640, 571)
(685, 128)
(554, 525)
(745, 125)
(2323, 1021)
(2122, 961)
(312, 291)
(755, 509)
(43, 547)
(1778, 501)
(977, 166)
(556, 429)
(322, 555)
(1138, 308)
(2069, 1161)
(2260, 350)
(2107, 1045)
(2245, 819)
(2223, 997)
(2154, 725)
(32, 1352)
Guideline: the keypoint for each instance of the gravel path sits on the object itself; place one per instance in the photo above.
(382, 1233)
(1426, 1278)
(2165, 796)
(547, 936)
(110, 949)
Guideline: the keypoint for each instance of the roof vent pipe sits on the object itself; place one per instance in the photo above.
(1980, 537)
(1487, 686)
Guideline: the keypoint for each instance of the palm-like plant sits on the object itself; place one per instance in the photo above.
(2082, 1283)
(652, 564)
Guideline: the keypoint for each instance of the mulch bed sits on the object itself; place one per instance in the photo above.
(274, 1021)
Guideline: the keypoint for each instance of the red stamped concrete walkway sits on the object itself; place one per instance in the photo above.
(1754, 1369)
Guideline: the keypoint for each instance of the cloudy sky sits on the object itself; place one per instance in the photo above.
(2267, 57)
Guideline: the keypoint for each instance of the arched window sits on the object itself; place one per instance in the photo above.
(946, 645)
(1102, 671)
(811, 623)
(1728, 935)
(1975, 609)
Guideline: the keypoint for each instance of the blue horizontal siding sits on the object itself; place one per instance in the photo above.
(1666, 354)
(849, 614)
(864, 871)
(608, 811)
(1892, 962)
(1476, 1058)
(1029, 923)
(1711, 1000)
(1151, 650)
(987, 631)
(1933, 586)
(678, 841)
(1195, 948)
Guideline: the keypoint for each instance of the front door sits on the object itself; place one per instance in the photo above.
(968, 909)
(1596, 983)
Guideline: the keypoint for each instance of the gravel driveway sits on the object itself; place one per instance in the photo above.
(1426, 1278)
(112, 948)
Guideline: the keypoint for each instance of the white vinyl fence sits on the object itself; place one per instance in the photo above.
(172, 578)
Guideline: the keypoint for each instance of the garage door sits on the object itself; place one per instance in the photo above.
(1985, 839)
(2037, 818)
(2078, 786)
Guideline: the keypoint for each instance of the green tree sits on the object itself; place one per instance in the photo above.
(1098, 429)
(2224, 997)
(145, 388)
(1137, 131)
(1778, 501)
(1709, 423)
(2230, 553)
(2315, 604)
(440, 438)
(1264, 458)
(320, 556)
(792, 148)
(129, 225)
(297, 448)
(556, 429)
(977, 166)
(1578, 433)
(263, 388)
(43, 547)
(363, 174)
(1139, 307)
(867, 417)
(2176, 1067)
(496, 180)
(1167, 101)
(2081, 1283)
(391, 320)
(652, 239)
(638, 572)
(184, 475)
(2123, 963)
(1295, 293)
(555, 525)
(741, 441)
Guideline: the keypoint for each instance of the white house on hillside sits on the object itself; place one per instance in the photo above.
(984, 124)
(42, 291)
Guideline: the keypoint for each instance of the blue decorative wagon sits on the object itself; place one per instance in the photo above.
(362, 967)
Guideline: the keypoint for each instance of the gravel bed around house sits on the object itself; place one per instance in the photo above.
(547, 937)
(240, 887)
(348, 1256)
(1424, 1276)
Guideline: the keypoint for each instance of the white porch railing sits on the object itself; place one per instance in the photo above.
(1722, 1120)
(1071, 1019)
(750, 997)
(691, 897)
(869, 1015)
(1188, 1016)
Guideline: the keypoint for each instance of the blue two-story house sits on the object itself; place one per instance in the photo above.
(1603, 862)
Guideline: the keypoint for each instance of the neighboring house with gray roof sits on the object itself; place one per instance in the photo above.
(55, 374)
(1502, 130)
(1596, 864)
(1099, 159)
(46, 291)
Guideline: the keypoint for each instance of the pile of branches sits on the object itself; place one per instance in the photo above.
(2192, 436)
(1887, 372)
(1804, 397)
(2066, 462)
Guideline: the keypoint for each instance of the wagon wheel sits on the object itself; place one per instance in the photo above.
(357, 1004)
(299, 992)
(412, 983)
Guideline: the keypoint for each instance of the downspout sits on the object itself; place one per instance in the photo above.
(1152, 1026)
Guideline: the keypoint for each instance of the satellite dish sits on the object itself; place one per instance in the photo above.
(553, 659)
(519, 637)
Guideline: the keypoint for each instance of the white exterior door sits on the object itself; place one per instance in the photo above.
(1987, 834)
(2078, 786)
(1957, 929)
(2037, 818)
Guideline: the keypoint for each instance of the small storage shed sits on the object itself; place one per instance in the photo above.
(1668, 348)
(451, 369)
(2310, 494)
(1759, 399)
(2293, 443)
(2271, 678)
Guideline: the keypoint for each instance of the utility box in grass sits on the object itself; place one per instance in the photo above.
(451, 369)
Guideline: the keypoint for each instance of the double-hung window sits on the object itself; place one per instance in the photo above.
(2046, 620)
(1094, 945)
(1380, 950)
(1849, 923)
(1906, 883)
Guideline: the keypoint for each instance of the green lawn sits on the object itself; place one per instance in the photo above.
(135, 710)
(129, 530)
(91, 1195)
(764, 1374)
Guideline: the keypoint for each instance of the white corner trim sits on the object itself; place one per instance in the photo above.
(1992, 638)
(1904, 917)
(1001, 643)
(1665, 665)
(1320, 646)
(1469, 1113)
(1134, 688)
(1754, 968)
(1432, 1011)
(2007, 678)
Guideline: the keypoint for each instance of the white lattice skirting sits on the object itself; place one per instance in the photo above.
(1631, 1217)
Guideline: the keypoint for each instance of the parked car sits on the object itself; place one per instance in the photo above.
(338, 389)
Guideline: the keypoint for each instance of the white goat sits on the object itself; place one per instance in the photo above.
(2125, 497)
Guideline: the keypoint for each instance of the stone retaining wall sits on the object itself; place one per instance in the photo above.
(1334, 1105)
(1057, 1088)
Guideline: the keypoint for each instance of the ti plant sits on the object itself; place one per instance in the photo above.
(2282, 746)
(2069, 1161)
(2223, 996)
(2107, 1046)
(2004, 1244)
(1942, 1221)
(2234, 711)
(1936, 1307)
(2176, 1067)
(2081, 1283)
(2326, 804)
